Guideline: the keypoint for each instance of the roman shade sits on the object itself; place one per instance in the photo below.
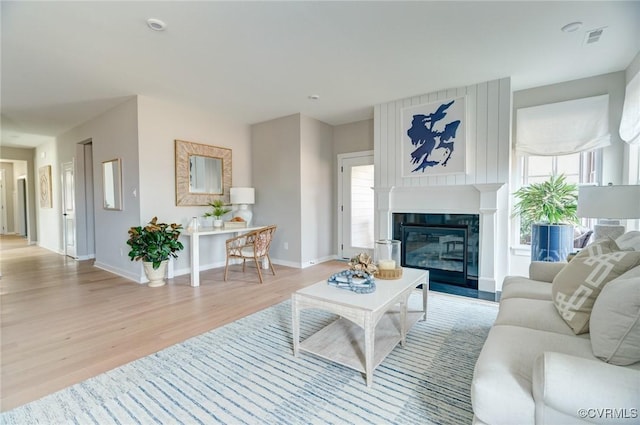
(630, 122)
(563, 128)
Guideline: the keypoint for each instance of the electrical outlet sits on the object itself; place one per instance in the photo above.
(286, 245)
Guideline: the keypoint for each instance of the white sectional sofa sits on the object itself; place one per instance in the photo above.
(535, 369)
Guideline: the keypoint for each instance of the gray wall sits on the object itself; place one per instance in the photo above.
(276, 169)
(113, 134)
(293, 166)
(612, 84)
(633, 68)
(353, 137)
(316, 186)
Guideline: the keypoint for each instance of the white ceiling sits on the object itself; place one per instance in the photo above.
(66, 62)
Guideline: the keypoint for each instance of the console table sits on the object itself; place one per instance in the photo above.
(194, 246)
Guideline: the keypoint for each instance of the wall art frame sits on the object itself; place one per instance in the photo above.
(433, 138)
(184, 151)
(46, 200)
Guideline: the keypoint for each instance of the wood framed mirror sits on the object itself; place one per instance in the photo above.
(203, 173)
(112, 185)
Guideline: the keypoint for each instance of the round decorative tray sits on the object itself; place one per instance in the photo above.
(389, 274)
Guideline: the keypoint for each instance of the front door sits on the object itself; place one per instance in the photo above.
(356, 204)
(68, 209)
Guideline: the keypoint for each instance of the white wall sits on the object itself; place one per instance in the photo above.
(160, 123)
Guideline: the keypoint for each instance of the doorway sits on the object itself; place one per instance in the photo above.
(356, 203)
(21, 208)
(69, 209)
(3, 202)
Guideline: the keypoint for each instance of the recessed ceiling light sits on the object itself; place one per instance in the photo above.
(156, 24)
(572, 27)
(314, 97)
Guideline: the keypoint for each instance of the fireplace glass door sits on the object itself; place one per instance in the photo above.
(440, 249)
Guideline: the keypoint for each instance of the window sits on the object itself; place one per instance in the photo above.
(578, 168)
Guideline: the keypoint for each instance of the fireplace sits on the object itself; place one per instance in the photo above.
(444, 244)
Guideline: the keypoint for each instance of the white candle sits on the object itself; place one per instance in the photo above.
(387, 264)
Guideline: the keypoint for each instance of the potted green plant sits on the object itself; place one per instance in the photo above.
(548, 209)
(154, 244)
(218, 209)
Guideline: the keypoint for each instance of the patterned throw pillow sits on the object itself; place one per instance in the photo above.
(576, 287)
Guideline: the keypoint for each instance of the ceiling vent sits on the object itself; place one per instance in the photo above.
(593, 36)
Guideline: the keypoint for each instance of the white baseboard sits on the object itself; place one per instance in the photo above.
(304, 265)
(57, 251)
(487, 284)
(203, 267)
(124, 273)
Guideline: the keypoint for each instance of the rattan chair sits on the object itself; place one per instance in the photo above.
(252, 245)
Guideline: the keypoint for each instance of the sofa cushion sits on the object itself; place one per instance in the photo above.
(563, 384)
(533, 314)
(501, 390)
(630, 241)
(522, 287)
(615, 320)
(576, 287)
(545, 271)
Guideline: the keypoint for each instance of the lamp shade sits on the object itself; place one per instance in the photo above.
(243, 195)
(617, 202)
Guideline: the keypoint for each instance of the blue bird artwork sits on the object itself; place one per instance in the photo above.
(433, 147)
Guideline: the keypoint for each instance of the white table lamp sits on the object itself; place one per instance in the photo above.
(609, 204)
(243, 197)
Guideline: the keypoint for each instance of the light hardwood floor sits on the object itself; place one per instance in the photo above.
(63, 321)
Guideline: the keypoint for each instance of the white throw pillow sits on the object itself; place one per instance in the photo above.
(630, 241)
(615, 320)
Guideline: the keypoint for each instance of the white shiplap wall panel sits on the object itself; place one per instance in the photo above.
(488, 132)
(493, 122)
(472, 127)
(481, 134)
(504, 128)
(462, 178)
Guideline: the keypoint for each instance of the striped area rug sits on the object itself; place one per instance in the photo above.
(245, 373)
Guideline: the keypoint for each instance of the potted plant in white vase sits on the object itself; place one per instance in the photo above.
(154, 244)
(549, 209)
(218, 210)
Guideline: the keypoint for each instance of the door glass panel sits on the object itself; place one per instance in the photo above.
(362, 209)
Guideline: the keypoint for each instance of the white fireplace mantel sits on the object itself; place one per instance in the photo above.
(490, 201)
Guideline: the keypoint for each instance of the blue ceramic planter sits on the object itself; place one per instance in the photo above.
(551, 242)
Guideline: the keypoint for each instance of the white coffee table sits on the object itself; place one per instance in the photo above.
(372, 319)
